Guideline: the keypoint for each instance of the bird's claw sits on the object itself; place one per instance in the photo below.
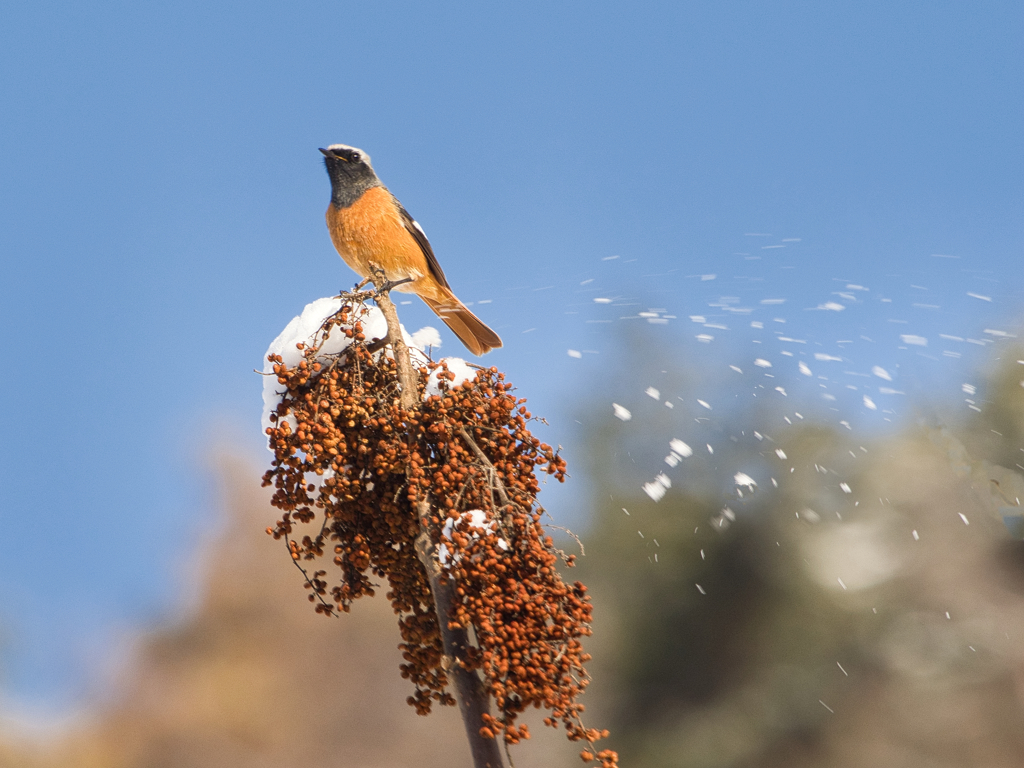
(389, 285)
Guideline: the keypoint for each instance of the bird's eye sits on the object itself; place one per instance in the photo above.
(356, 157)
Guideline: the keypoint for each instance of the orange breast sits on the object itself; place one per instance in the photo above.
(370, 231)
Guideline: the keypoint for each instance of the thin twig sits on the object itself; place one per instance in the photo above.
(478, 452)
(570, 533)
(309, 581)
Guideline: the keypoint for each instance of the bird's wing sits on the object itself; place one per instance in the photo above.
(421, 239)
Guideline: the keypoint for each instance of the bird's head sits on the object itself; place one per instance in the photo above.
(350, 172)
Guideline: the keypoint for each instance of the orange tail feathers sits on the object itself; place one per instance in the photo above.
(471, 331)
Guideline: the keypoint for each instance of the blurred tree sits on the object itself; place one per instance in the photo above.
(763, 626)
(997, 432)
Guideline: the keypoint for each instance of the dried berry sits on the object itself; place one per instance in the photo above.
(350, 467)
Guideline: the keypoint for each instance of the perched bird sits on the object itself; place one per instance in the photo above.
(369, 227)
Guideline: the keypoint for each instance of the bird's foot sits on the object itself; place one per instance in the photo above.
(389, 285)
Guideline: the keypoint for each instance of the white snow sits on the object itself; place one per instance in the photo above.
(424, 338)
(304, 328)
(678, 446)
(656, 488)
(477, 521)
(621, 413)
(744, 481)
(914, 341)
(458, 366)
(301, 329)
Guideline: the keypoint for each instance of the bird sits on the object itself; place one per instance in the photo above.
(370, 228)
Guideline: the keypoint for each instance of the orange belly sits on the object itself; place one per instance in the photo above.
(370, 232)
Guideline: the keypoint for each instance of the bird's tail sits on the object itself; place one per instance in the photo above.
(471, 331)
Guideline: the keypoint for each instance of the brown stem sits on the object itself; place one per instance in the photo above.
(473, 700)
(406, 376)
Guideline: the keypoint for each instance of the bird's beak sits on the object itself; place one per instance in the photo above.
(327, 152)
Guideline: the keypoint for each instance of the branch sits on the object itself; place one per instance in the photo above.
(473, 699)
(469, 689)
(406, 376)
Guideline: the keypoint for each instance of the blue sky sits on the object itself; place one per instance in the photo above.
(162, 220)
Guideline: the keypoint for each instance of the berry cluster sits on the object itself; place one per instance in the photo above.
(350, 470)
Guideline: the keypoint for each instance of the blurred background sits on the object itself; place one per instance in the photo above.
(758, 265)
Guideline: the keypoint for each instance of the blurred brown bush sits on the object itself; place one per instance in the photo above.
(253, 677)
